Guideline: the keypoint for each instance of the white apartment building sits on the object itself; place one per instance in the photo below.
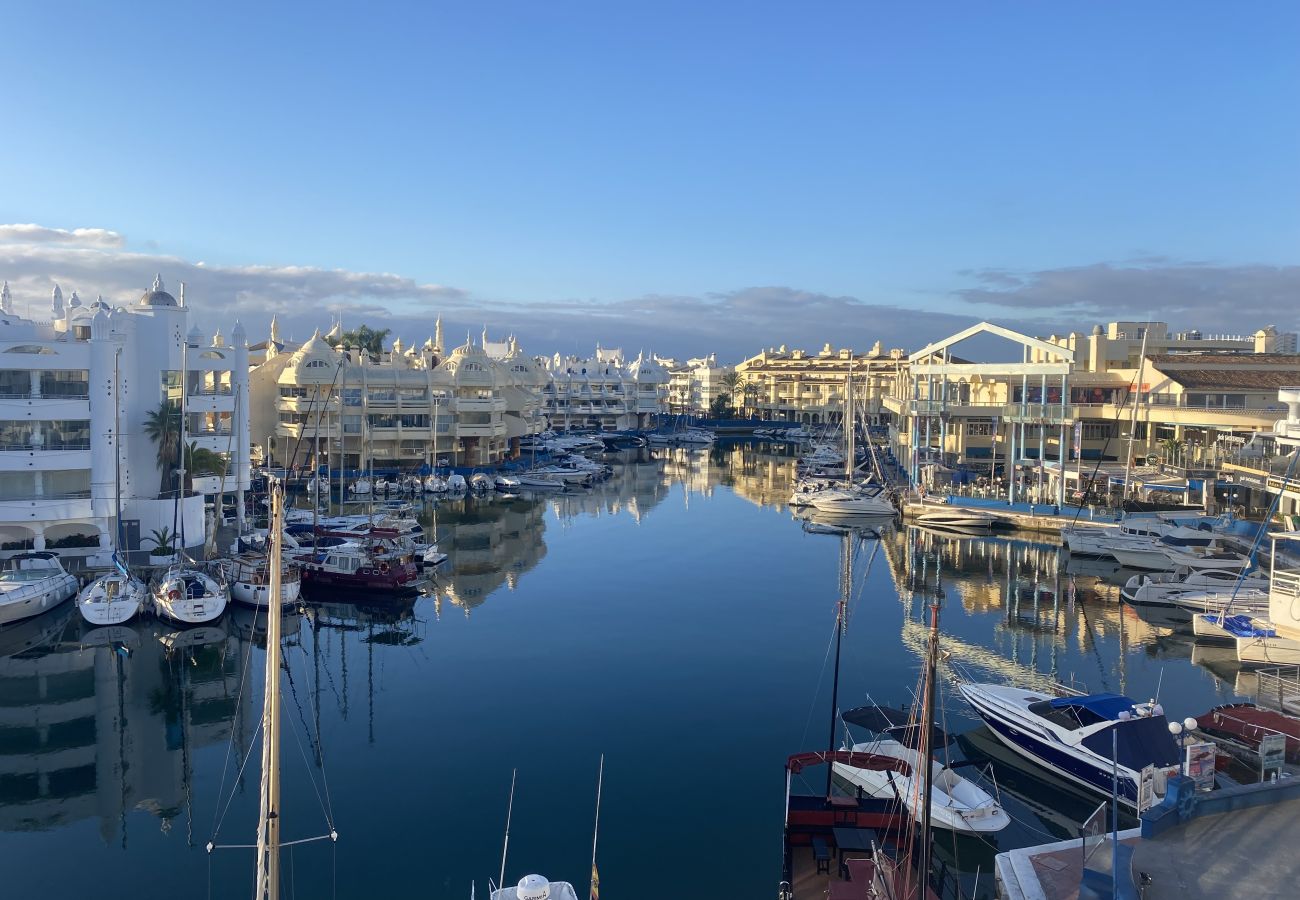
(319, 405)
(809, 388)
(695, 384)
(604, 392)
(76, 391)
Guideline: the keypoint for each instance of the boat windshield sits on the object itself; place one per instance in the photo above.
(1140, 742)
(23, 575)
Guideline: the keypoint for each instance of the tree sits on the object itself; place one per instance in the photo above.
(163, 542)
(365, 338)
(732, 381)
(200, 461)
(720, 408)
(163, 427)
(1172, 449)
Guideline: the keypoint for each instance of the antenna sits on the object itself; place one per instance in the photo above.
(510, 808)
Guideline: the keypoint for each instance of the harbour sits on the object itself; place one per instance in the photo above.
(562, 627)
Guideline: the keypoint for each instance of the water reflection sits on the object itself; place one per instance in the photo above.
(100, 722)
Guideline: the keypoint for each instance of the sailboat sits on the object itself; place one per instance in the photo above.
(852, 500)
(115, 597)
(856, 824)
(185, 593)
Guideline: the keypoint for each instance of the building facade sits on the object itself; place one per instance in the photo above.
(603, 391)
(76, 393)
(795, 386)
(694, 385)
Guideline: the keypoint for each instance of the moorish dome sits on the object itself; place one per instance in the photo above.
(156, 295)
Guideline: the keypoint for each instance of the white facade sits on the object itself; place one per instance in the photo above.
(604, 392)
(407, 408)
(75, 394)
(695, 384)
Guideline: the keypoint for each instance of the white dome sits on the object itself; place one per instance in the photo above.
(533, 887)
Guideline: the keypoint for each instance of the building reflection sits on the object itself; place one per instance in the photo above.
(1048, 621)
(97, 723)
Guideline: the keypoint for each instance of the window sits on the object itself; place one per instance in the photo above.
(979, 429)
(1096, 431)
(316, 364)
(59, 434)
(30, 348)
(170, 385)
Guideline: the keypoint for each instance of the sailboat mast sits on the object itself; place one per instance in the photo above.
(1133, 413)
(851, 459)
(927, 744)
(846, 578)
(117, 451)
(268, 832)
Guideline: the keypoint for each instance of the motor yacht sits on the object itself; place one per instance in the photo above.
(1073, 736)
(32, 583)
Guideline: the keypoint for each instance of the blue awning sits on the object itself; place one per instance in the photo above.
(1107, 706)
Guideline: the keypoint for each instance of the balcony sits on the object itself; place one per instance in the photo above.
(47, 509)
(485, 404)
(25, 459)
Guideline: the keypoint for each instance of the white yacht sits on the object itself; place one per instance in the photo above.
(189, 596)
(1073, 736)
(1161, 589)
(113, 598)
(360, 488)
(853, 503)
(956, 803)
(942, 515)
(32, 583)
(435, 485)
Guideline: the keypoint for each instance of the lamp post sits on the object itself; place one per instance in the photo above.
(1180, 730)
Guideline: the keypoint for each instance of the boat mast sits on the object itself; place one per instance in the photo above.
(268, 832)
(846, 577)
(1133, 413)
(851, 457)
(927, 744)
(178, 531)
(117, 451)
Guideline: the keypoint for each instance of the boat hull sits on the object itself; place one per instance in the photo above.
(59, 591)
(252, 593)
(100, 604)
(398, 579)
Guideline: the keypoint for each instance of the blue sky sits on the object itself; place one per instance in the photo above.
(632, 161)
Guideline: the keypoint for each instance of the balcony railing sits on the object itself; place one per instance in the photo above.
(51, 445)
(72, 393)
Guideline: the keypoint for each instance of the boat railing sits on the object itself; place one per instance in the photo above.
(1279, 688)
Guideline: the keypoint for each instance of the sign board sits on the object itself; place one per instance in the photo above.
(1078, 438)
(1200, 765)
(1272, 754)
(1147, 789)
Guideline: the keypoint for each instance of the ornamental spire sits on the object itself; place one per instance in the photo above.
(6, 300)
(56, 301)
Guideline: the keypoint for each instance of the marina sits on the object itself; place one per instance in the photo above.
(119, 737)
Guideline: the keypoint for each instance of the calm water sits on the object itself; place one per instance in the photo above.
(676, 618)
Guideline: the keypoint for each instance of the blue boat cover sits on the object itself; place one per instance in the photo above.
(1242, 627)
(1107, 706)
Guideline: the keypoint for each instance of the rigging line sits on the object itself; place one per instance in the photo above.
(230, 744)
(240, 774)
(320, 750)
(310, 775)
(820, 678)
(297, 702)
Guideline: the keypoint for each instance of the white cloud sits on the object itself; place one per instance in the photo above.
(40, 234)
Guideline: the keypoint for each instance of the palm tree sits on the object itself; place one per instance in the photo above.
(1172, 448)
(731, 381)
(163, 541)
(366, 338)
(163, 426)
(201, 461)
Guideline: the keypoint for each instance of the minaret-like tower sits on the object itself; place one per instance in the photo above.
(437, 336)
(6, 300)
(56, 302)
(275, 331)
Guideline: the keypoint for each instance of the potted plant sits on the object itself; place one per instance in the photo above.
(163, 551)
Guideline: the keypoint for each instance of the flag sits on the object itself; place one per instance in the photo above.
(595, 883)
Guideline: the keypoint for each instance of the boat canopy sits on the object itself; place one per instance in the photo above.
(1105, 706)
(857, 759)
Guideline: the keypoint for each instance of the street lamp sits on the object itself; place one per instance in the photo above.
(1180, 730)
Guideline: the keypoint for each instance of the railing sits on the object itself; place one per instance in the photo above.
(48, 495)
(1279, 688)
(1286, 583)
(53, 445)
(75, 394)
(223, 391)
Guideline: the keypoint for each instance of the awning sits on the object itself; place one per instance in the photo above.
(873, 761)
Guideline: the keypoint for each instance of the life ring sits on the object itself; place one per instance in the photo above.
(383, 567)
(173, 594)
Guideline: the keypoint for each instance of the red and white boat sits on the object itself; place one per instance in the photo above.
(372, 566)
